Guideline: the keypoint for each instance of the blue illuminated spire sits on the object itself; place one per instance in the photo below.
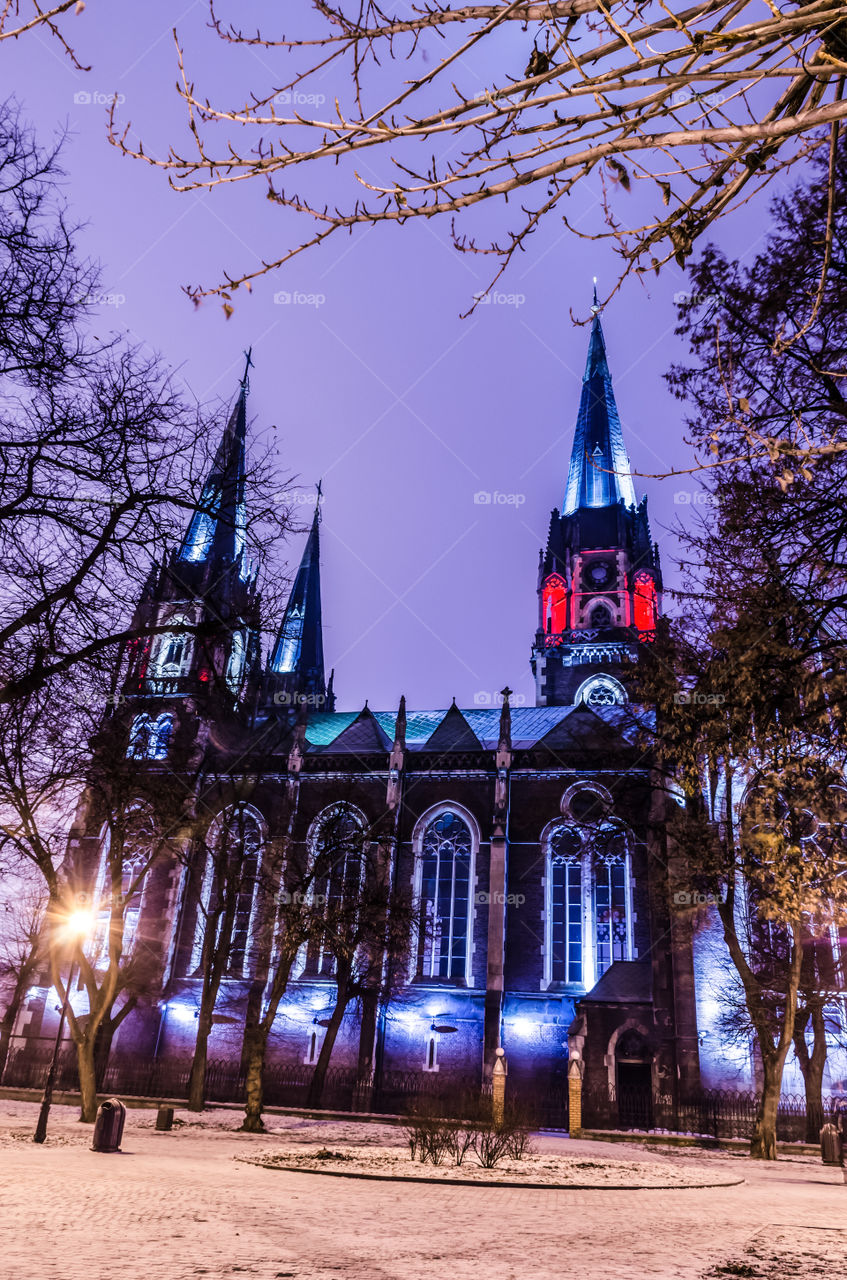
(599, 474)
(216, 530)
(298, 651)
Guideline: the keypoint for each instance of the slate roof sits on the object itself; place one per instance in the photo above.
(624, 982)
(337, 731)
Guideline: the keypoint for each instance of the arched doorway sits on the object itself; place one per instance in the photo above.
(634, 1080)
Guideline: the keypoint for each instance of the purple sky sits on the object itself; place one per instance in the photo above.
(375, 384)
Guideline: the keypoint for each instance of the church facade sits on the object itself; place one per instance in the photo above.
(534, 840)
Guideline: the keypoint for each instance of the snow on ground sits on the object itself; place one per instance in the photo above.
(191, 1203)
(551, 1168)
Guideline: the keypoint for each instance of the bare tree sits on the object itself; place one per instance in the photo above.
(755, 737)
(21, 955)
(102, 457)
(679, 113)
(365, 928)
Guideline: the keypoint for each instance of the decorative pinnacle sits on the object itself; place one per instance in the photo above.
(595, 305)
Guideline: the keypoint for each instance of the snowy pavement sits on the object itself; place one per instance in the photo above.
(186, 1204)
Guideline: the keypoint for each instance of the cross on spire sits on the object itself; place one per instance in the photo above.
(248, 364)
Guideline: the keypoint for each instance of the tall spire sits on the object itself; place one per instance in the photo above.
(599, 474)
(216, 530)
(298, 655)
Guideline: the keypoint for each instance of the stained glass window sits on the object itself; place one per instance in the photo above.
(445, 873)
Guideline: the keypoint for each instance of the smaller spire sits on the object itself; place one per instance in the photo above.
(298, 650)
(595, 306)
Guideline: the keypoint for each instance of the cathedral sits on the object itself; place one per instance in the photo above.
(534, 839)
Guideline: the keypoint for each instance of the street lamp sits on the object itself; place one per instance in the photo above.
(74, 926)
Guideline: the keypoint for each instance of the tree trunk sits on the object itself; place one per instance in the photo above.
(197, 1078)
(812, 1065)
(255, 1046)
(102, 1050)
(316, 1085)
(87, 1081)
(255, 1049)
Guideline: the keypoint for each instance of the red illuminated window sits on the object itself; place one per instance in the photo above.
(554, 605)
(645, 602)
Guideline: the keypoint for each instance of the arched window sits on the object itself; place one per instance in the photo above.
(645, 602)
(337, 844)
(445, 858)
(235, 666)
(554, 605)
(150, 739)
(228, 890)
(601, 691)
(589, 901)
(139, 738)
(160, 737)
(139, 845)
(172, 650)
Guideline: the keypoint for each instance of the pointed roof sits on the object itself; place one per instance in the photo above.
(453, 734)
(216, 530)
(299, 645)
(364, 735)
(599, 474)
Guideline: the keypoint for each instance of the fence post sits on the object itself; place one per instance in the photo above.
(575, 1097)
(498, 1087)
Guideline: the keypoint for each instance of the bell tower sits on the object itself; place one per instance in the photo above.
(599, 580)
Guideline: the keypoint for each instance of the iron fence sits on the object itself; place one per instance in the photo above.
(709, 1113)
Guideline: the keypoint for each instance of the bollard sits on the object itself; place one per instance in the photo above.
(165, 1119)
(498, 1087)
(109, 1126)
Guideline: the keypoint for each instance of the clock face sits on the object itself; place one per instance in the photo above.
(599, 573)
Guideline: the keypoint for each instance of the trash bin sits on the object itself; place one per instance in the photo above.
(832, 1146)
(165, 1119)
(109, 1126)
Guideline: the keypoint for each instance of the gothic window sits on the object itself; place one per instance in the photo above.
(149, 739)
(235, 666)
(554, 605)
(228, 891)
(288, 648)
(589, 916)
(172, 650)
(601, 691)
(160, 737)
(645, 602)
(337, 842)
(139, 738)
(139, 842)
(444, 871)
(566, 905)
